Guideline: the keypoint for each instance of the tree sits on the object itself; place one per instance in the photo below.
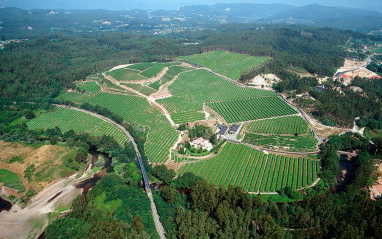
(29, 114)
(214, 139)
(137, 223)
(164, 174)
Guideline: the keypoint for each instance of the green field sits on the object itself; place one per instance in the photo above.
(187, 117)
(126, 75)
(282, 125)
(172, 72)
(226, 63)
(134, 109)
(193, 88)
(141, 88)
(140, 71)
(90, 87)
(11, 180)
(240, 165)
(73, 96)
(67, 119)
(291, 143)
(251, 108)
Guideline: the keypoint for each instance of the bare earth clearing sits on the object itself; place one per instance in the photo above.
(45, 155)
(30, 221)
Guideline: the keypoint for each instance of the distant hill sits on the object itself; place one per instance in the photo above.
(16, 22)
(335, 17)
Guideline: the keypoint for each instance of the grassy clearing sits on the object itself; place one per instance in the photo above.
(11, 180)
(226, 63)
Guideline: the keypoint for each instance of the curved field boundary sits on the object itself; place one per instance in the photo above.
(254, 171)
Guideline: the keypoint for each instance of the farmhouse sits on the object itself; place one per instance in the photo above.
(233, 129)
(222, 132)
(201, 142)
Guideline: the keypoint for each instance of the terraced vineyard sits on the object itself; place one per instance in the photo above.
(251, 108)
(240, 165)
(291, 143)
(67, 119)
(282, 125)
(187, 117)
(226, 63)
(193, 88)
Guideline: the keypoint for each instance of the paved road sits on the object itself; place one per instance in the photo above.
(158, 224)
(367, 62)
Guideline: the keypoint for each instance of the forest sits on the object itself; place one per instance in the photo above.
(34, 72)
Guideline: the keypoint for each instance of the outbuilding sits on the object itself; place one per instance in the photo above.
(222, 132)
(233, 129)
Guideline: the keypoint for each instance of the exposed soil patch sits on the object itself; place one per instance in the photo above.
(42, 158)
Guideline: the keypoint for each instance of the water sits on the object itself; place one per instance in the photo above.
(88, 184)
(343, 175)
(5, 205)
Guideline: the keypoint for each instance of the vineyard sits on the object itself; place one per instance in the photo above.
(254, 171)
(140, 71)
(193, 88)
(282, 125)
(187, 117)
(161, 136)
(172, 72)
(292, 143)
(251, 108)
(67, 119)
(90, 87)
(141, 88)
(226, 63)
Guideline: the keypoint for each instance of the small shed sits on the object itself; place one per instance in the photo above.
(234, 128)
(191, 125)
(220, 126)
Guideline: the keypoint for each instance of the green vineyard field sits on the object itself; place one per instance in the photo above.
(67, 119)
(282, 125)
(186, 117)
(193, 88)
(240, 165)
(251, 108)
(141, 88)
(172, 72)
(226, 63)
(161, 136)
(291, 143)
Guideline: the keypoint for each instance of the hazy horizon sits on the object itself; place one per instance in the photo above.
(375, 5)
